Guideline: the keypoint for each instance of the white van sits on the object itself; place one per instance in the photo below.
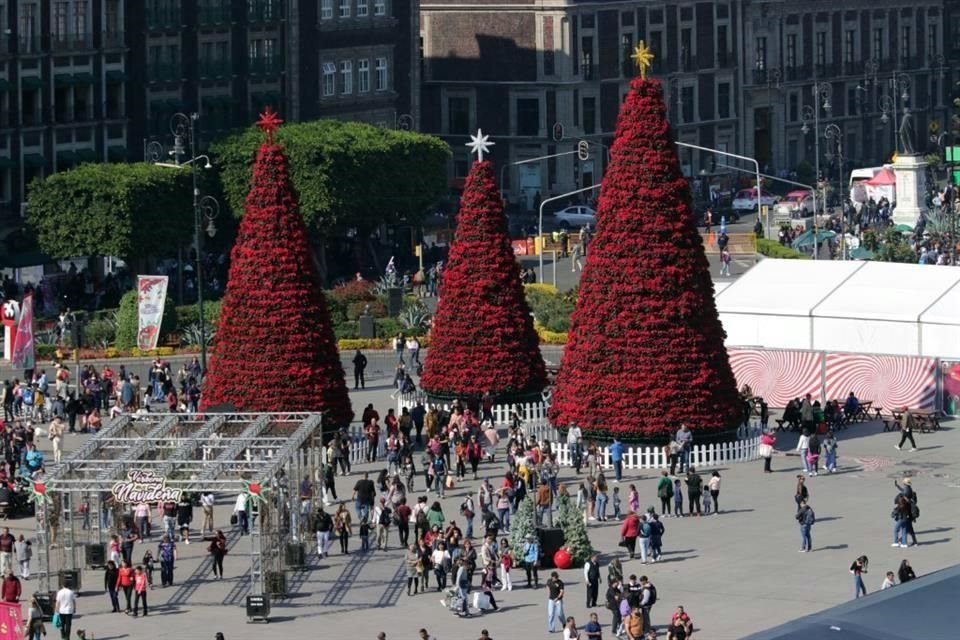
(858, 193)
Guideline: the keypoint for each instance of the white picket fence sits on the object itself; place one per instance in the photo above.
(502, 413)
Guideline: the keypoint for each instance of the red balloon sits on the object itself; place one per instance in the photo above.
(562, 559)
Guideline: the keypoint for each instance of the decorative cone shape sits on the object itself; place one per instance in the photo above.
(275, 349)
(482, 338)
(645, 351)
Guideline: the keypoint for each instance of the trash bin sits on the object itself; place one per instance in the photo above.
(70, 578)
(276, 583)
(295, 555)
(258, 608)
(96, 555)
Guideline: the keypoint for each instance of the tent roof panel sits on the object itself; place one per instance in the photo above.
(946, 310)
(784, 287)
(887, 291)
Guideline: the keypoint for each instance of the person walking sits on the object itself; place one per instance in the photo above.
(207, 500)
(140, 587)
(765, 450)
(7, 542)
(110, 575)
(830, 452)
(725, 259)
(629, 531)
(555, 592)
(241, 509)
(55, 433)
(23, 549)
(11, 589)
(806, 518)
(34, 622)
(217, 550)
(714, 487)
(531, 560)
(665, 492)
(858, 568)
(167, 552)
(684, 438)
(648, 598)
(359, 366)
(616, 456)
(803, 448)
(65, 605)
(343, 528)
(591, 577)
(414, 566)
(125, 578)
(322, 528)
(901, 518)
(906, 429)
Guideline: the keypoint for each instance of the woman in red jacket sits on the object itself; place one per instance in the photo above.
(629, 531)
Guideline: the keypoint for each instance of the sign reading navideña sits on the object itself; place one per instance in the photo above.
(144, 486)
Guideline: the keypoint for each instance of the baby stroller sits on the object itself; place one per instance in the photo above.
(453, 602)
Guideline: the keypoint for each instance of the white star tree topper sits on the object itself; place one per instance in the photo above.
(480, 144)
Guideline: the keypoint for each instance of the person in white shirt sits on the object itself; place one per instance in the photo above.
(888, 581)
(66, 606)
(207, 501)
(574, 438)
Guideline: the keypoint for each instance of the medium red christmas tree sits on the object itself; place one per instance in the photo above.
(645, 350)
(483, 338)
(275, 349)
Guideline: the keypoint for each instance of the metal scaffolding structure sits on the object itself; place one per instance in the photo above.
(225, 453)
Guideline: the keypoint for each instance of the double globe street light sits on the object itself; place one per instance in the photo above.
(205, 208)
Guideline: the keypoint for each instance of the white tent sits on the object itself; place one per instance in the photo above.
(845, 306)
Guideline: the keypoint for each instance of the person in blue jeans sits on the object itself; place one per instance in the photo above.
(858, 568)
(684, 438)
(806, 518)
(616, 455)
(555, 618)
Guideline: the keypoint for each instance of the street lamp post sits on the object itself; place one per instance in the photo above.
(205, 208)
(835, 134)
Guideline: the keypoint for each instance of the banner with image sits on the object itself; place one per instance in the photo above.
(950, 378)
(23, 356)
(152, 295)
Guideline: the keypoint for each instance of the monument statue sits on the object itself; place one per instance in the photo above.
(906, 133)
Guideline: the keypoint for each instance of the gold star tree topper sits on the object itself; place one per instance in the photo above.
(642, 58)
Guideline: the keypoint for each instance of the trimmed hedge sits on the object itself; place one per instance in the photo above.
(773, 249)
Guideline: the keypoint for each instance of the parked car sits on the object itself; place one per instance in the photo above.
(797, 204)
(575, 217)
(746, 201)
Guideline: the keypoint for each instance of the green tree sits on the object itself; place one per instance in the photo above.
(128, 321)
(575, 536)
(522, 524)
(123, 210)
(347, 174)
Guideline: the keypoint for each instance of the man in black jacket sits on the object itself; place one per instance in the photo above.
(591, 574)
(359, 365)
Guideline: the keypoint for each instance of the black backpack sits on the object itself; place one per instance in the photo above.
(385, 516)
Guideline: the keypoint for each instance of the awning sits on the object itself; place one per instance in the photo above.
(883, 178)
(31, 82)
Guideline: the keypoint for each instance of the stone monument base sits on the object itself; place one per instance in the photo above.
(911, 189)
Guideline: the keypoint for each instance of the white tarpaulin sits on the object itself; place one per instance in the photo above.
(845, 306)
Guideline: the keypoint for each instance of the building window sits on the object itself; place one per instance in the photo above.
(791, 51)
(723, 99)
(379, 7)
(848, 46)
(821, 51)
(528, 117)
(723, 52)
(689, 104)
(361, 8)
(329, 79)
(60, 10)
(586, 54)
(326, 9)
(794, 107)
(905, 43)
(28, 35)
(876, 45)
(761, 53)
(80, 19)
(458, 115)
(626, 52)
(346, 77)
(112, 11)
(686, 48)
(363, 75)
(852, 101)
(589, 115)
(587, 21)
(344, 8)
(381, 70)
(932, 48)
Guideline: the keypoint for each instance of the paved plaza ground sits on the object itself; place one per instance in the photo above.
(735, 573)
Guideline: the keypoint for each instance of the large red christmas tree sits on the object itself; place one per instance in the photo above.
(483, 338)
(275, 349)
(645, 351)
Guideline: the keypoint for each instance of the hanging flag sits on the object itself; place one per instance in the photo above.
(11, 627)
(23, 343)
(152, 295)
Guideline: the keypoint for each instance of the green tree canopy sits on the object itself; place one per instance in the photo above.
(347, 174)
(123, 210)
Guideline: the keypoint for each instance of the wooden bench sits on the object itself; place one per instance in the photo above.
(927, 421)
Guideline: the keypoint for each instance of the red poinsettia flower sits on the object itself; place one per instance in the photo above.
(254, 488)
(40, 488)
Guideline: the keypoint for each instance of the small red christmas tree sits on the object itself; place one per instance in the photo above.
(645, 350)
(483, 338)
(275, 349)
